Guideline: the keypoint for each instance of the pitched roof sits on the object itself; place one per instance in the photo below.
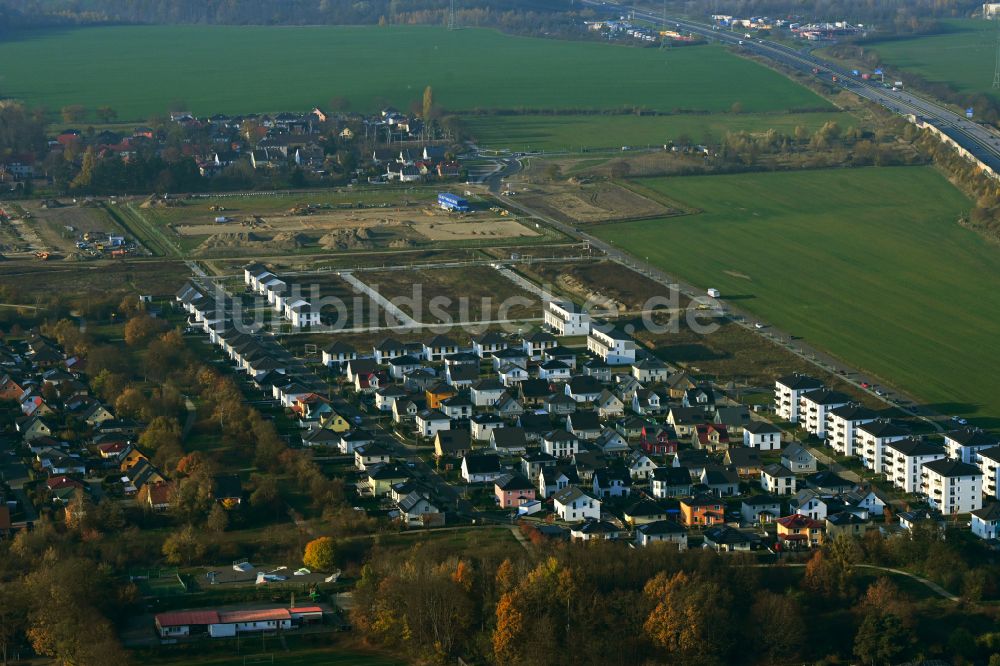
(660, 528)
(476, 463)
(568, 494)
(513, 482)
(990, 512)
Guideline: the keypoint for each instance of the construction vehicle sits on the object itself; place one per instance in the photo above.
(42, 255)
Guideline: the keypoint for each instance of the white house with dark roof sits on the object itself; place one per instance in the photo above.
(430, 422)
(388, 348)
(777, 479)
(952, 486)
(572, 504)
(560, 443)
(338, 353)
(842, 425)
(815, 405)
(904, 461)
(535, 344)
(481, 468)
(986, 521)
(798, 459)
(488, 344)
(661, 531)
(762, 435)
(760, 509)
(438, 347)
(788, 392)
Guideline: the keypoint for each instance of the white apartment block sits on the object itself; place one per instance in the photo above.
(952, 486)
(966, 444)
(989, 462)
(565, 318)
(788, 392)
(815, 405)
(842, 426)
(871, 440)
(904, 461)
(613, 346)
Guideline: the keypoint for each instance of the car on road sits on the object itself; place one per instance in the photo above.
(865, 385)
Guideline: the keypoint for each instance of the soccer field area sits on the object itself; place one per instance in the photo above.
(140, 71)
(964, 56)
(869, 264)
(574, 132)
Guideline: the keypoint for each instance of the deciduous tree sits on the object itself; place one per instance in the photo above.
(320, 554)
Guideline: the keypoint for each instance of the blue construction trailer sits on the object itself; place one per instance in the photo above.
(453, 202)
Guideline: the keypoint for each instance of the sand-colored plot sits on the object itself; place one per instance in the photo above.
(591, 203)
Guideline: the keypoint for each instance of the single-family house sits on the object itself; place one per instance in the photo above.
(702, 511)
(760, 509)
(798, 459)
(572, 504)
(777, 479)
(661, 531)
(762, 435)
(481, 468)
(513, 490)
(430, 422)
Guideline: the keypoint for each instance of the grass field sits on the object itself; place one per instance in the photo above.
(140, 70)
(869, 264)
(964, 56)
(538, 132)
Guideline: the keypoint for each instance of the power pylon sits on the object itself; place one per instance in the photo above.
(452, 22)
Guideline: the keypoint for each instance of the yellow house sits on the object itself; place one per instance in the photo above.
(335, 422)
(381, 478)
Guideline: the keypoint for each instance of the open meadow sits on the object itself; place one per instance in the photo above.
(142, 70)
(579, 132)
(870, 264)
(964, 56)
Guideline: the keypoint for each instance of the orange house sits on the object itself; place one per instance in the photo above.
(702, 511)
(798, 531)
(9, 389)
(438, 393)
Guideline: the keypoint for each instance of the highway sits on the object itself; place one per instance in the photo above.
(981, 141)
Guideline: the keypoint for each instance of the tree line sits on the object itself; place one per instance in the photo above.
(602, 603)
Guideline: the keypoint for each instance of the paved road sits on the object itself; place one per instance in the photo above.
(980, 140)
(934, 587)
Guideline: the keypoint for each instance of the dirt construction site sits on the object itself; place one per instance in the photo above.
(338, 228)
(584, 202)
(52, 227)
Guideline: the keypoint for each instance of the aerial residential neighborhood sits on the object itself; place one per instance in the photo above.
(499, 334)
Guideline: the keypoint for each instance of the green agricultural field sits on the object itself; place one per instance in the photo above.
(573, 132)
(141, 70)
(964, 56)
(870, 264)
